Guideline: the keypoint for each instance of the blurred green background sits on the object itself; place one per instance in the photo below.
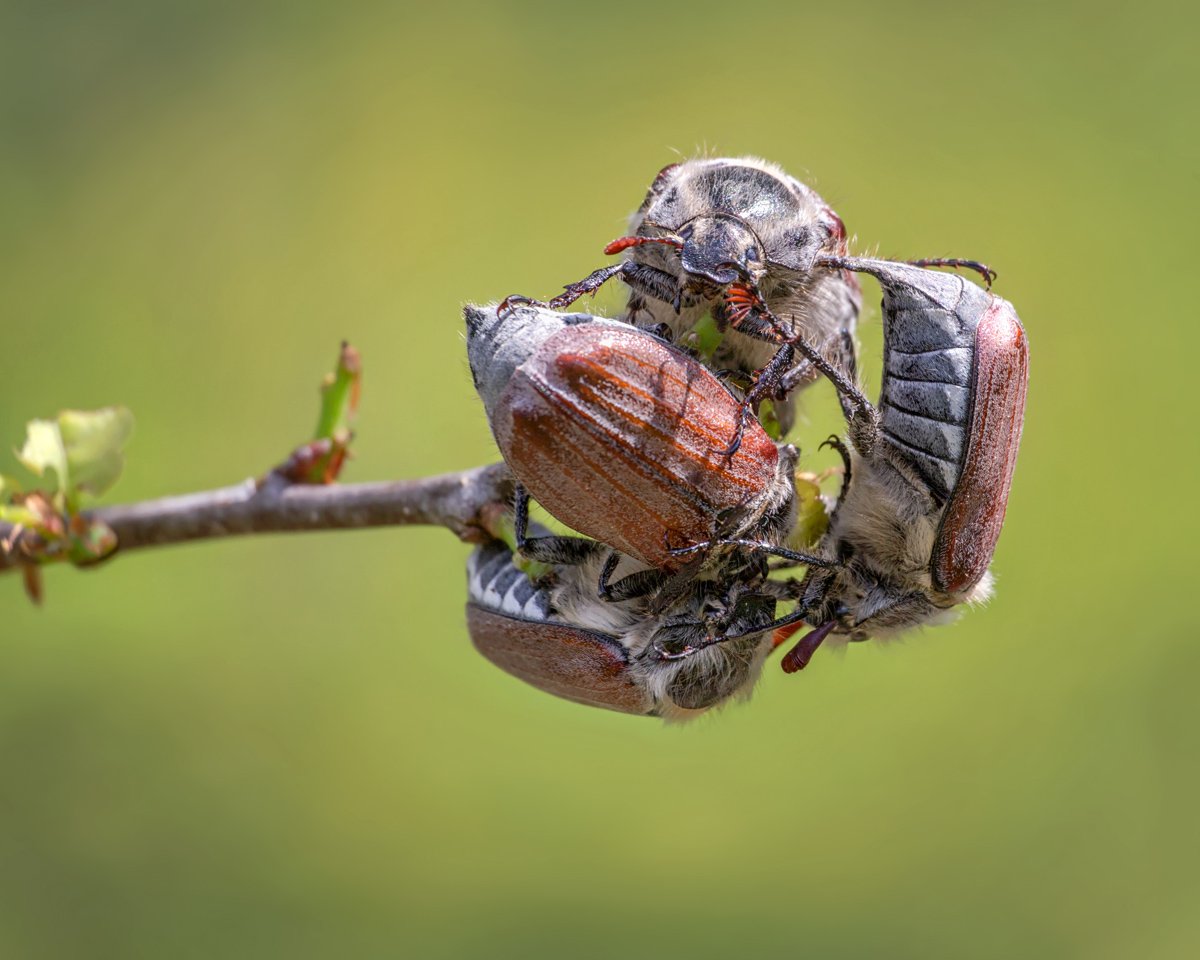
(287, 747)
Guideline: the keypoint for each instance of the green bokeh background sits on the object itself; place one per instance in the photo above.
(287, 747)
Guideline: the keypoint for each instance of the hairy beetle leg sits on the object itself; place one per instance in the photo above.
(760, 546)
(749, 315)
(989, 275)
(642, 279)
(846, 357)
(638, 584)
(589, 284)
(564, 550)
(835, 442)
(802, 652)
(768, 381)
(860, 412)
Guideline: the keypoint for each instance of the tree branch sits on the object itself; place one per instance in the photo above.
(465, 503)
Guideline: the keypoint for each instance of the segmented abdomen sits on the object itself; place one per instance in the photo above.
(929, 323)
(510, 623)
(495, 583)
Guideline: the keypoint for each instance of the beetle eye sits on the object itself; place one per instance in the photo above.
(835, 227)
(752, 253)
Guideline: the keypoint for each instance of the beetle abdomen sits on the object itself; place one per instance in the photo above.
(956, 368)
(929, 325)
(566, 661)
(510, 623)
(623, 438)
(493, 582)
(929, 322)
(971, 525)
(498, 343)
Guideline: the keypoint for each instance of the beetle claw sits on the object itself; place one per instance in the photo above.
(683, 652)
(507, 304)
(684, 551)
(736, 442)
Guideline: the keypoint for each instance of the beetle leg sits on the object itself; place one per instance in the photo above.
(849, 358)
(638, 584)
(989, 275)
(589, 284)
(654, 283)
(564, 550)
(859, 411)
(569, 551)
(759, 546)
(641, 278)
(846, 357)
(836, 443)
(516, 299)
(766, 381)
(571, 292)
(858, 265)
(843, 383)
(795, 616)
(520, 513)
(746, 312)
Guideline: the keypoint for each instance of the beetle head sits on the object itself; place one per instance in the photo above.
(714, 250)
(862, 604)
(721, 249)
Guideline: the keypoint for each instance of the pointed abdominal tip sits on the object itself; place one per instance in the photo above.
(797, 658)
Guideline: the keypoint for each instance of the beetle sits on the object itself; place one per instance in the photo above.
(560, 638)
(621, 436)
(919, 515)
(740, 239)
(724, 236)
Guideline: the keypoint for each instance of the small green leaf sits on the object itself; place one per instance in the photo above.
(811, 518)
(769, 421)
(503, 529)
(8, 486)
(706, 337)
(93, 440)
(44, 450)
(81, 447)
(18, 515)
(339, 395)
(321, 459)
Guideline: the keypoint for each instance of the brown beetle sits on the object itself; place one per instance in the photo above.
(562, 639)
(919, 516)
(622, 437)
